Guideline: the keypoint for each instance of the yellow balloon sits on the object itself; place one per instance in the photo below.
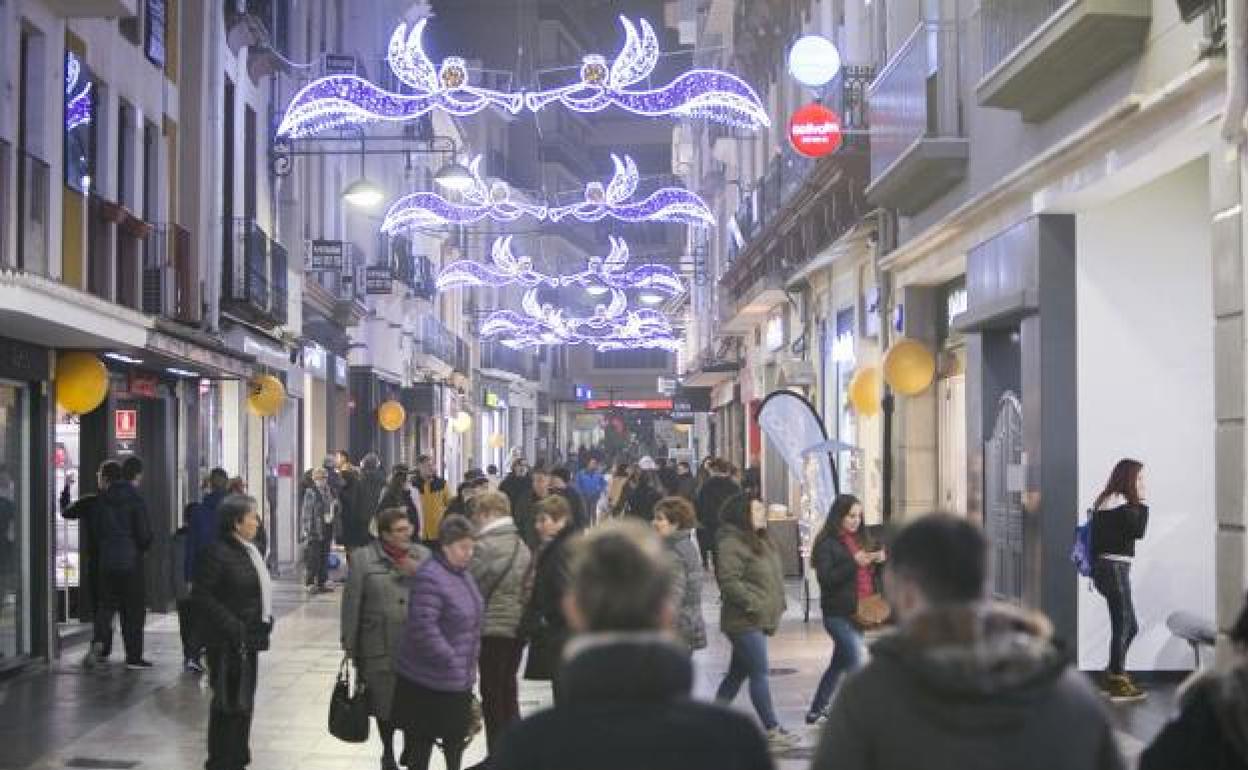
(909, 367)
(391, 415)
(462, 422)
(497, 441)
(81, 382)
(865, 391)
(265, 396)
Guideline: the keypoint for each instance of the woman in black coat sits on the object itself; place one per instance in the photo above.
(844, 563)
(232, 598)
(543, 621)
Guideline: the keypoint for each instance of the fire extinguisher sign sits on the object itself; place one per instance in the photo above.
(126, 424)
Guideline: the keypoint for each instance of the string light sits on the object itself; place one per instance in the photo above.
(669, 204)
(609, 272)
(611, 327)
(78, 106)
(483, 199)
(506, 269)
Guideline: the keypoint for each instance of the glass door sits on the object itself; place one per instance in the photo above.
(14, 505)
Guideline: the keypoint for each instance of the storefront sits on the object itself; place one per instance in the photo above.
(493, 428)
(951, 400)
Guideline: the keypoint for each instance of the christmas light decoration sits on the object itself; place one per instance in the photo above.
(669, 204)
(78, 102)
(709, 94)
(611, 327)
(340, 100)
(507, 269)
(609, 272)
(482, 199)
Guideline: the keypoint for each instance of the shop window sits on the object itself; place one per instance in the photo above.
(14, 468)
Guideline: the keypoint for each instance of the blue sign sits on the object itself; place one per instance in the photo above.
(583, 392)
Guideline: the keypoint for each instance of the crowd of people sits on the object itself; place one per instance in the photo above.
(594, 583)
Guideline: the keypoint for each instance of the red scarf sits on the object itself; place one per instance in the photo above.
(865, 580)
(397, 554)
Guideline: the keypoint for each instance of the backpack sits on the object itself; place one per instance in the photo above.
(1081, 550)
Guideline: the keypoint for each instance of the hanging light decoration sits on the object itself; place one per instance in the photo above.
(78, 101)
(341, 100)
(609, 272)
(611, 327)
(709, 94)
(669, 204)
(481, 200)
(506, 269)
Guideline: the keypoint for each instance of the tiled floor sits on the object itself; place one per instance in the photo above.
(65, 717)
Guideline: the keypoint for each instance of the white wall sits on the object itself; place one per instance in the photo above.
(1146, 391)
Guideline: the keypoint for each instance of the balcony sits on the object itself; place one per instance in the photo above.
(501, 358)
(255, 281)
(918, 149)
(1040, 55)
(171, 275)
(93, 9)
(438, 343)
(33, 201)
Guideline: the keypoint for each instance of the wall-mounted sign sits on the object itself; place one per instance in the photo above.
(815, 131)
(326, 255)
(666, 385)
(338, 64)
(378, 280)
(843, 348)
(126, 424)
(340, 371)
(144, 385)
(491, 400)
(652, 404)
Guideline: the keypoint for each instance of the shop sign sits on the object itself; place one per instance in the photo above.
(314, 360)
(339, 64)
(843, 348)
(491, 400)
(378, 280)
(326, 255)
(144, 385)
(666, 385)
(20, 361)
(691, 400)
(815, 131)
(126, 424)
(773, 337)
(649, 404)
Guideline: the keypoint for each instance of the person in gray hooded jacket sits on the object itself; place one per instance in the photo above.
(374, 612)
(675, 521)
(965, 683)
(499, 565)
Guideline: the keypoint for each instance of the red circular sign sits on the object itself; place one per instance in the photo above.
(815, 131)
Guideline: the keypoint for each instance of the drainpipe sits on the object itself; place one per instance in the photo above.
(1233, 129)
(208, 167)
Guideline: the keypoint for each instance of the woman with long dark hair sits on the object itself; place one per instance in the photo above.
(751, 589)
(844, 562)
(1119, 518)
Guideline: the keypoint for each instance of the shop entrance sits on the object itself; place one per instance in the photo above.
(1003, 499)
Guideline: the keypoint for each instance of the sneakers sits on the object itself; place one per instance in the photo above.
(1120, 689)
(140, 664)
(192, 666)
(813, 717)
(780, 739)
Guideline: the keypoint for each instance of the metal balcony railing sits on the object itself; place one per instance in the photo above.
(255, 281)
(170, 274)
(437, 341)
(498, 356)
(916, 95)
(33, 191)
(1005, 24)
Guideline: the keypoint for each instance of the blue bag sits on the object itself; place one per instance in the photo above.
(1081, 550)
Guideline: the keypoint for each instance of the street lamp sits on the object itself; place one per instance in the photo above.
(651, 298)
(363, 194)
(454, 176)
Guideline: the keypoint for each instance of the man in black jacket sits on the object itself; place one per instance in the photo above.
(963, 682)
(117, 532)
(625, 685)
(718, 489)
(561, 484)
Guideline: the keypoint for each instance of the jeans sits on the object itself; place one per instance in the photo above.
(316, 562)
(500, 695)
(846, 657)
(124, 593)
(749, 660)
(1112, 579)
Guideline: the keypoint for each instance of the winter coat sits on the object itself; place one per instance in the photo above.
(838, 578)
(180, 584)
(226, 597)
(968, 687)
(499, 565)
(374, 614)
(1116, 525)
(360, 498)
(624, 704)
(122, 529)
(751, 585)
(544, 621)
(580, 515)
(434, 498)
(590, 483)
(442, 638)
(711, 498)
(690, 626)
(205, 528)
(315, 513)
(642, 499)
(514, 487)
(1211, 729)
(685, 483)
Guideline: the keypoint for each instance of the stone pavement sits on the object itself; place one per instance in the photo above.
(115, 718)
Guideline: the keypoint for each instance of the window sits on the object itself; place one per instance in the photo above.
(249, 164)
(156, 26)
(79, 119)
(632, 359)
(125, 154)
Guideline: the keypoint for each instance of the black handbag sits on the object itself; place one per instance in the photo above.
(348, 712)
(234, 681)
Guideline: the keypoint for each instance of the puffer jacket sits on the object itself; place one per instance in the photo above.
(374, 614)
(122, 528)
(1211, 729)
(690, 626)
(226, 597)
(442, 638)
(970, 687)
(751, 585)
(499, 565)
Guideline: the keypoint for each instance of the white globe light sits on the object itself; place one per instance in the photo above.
(814, 61)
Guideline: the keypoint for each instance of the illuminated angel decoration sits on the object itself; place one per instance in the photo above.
(669, 204)
(483, 199)
(609, 272)
(341, 100)
(506, 270)
(710, 94)
(610, 327)
(78, 101)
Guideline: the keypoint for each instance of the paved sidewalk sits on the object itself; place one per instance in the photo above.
(115, 718)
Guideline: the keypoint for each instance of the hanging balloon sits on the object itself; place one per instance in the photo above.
(909, 367)
(462, 422)
(265, 396)
(81, 382)
(497, 440)
(391, 415)
(865, 391)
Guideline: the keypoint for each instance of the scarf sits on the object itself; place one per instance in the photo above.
(397, 554)
(266, 583)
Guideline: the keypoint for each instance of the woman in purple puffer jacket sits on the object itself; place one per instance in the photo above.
(437, 661)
